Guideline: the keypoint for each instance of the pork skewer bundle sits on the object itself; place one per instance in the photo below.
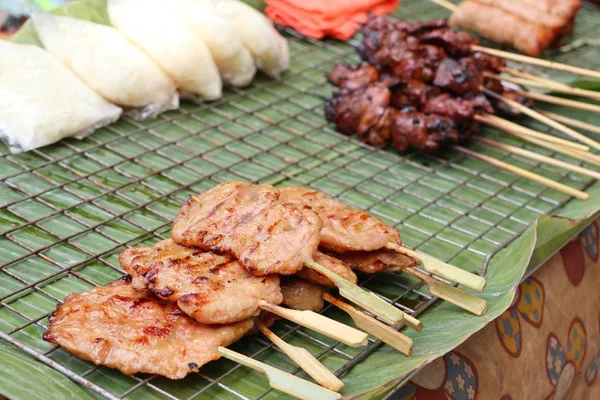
(346, 230)
(266, 235)
(128, 329)
(216, 289)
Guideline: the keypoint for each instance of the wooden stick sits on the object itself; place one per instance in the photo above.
(538, 157)
(532, 77)
(367, 300)
(549, 121)
(319, 323)
(440, 268)
(544, 85)
(304, 359)
(560, 101)
(580, 155)
(504, 124)
(449, 293)
(572, 121)
(525, 174)
(287, 383)
(446, 4)
(536, 61)
(385, 333)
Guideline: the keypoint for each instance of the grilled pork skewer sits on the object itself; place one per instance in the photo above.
(216, 289)
(121, 327)
(345, 229)
(266, 235)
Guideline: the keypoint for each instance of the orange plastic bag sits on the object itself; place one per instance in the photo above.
(315, 19)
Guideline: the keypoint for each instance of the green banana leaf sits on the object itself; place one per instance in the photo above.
(445, 326)
(22, 378)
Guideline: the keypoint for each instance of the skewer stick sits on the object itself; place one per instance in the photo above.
(304, 359)
(538, 157)
(352, 292)
(367, 300)
(449, 293)
(385, 333)
(504, 124)
(525, 174)
(580, 155)
(560, 101)
(555, 87)
(319, 323)
(501, 123)
(536, 61)
(532, 77)
(446, 4)
(548, 121)
(280, 380)
(572, 121)
(440, 268)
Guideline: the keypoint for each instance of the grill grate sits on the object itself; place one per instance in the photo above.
(67, 210)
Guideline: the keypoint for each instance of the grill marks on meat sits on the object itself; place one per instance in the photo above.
(458, 76)
(456, 44)
(331, 263)
(427, 133)
(371, 262)
(128, 329)
(458, 108)
(413, 94)
(210, 288)
(344, 229)
(299, 294)
(248, 221)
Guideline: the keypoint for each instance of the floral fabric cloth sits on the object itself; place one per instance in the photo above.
(545, 346)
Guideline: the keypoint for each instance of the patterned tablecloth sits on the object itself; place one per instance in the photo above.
(545, 346)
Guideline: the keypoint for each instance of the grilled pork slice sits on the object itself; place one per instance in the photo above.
(130, 330)
(250, 222)
(210, 288)
(371, 262)
(332, 264)
(299, 294)
(344, 229)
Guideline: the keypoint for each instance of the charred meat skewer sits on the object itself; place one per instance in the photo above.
(130, 330)
(210, 288)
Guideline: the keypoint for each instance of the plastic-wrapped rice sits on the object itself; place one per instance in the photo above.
(234, 61)
(268, 47)
(157, 29)
(42, 101)
(108, 63)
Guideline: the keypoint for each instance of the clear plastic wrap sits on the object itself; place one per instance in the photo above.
(157, 29)
(108, 63)
(42, 101)
(234, 61)
(268, 47)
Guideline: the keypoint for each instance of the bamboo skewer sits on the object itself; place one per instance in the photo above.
(385, 333)
(562, 102)
(532, 77)
(280, 380)
(356, 294)
(545, 85)
(538, 157)
(522, 58)
(571, 121)
(548, 121)
(304, 359)
(580, 155)
(437, 267)
(500, 123)
(449, 293)
(366, 300)
(525, 174)
(319, 323)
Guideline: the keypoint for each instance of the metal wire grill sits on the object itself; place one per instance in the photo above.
(68, 210)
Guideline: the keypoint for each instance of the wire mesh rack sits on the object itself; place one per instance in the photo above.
(67, 210)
